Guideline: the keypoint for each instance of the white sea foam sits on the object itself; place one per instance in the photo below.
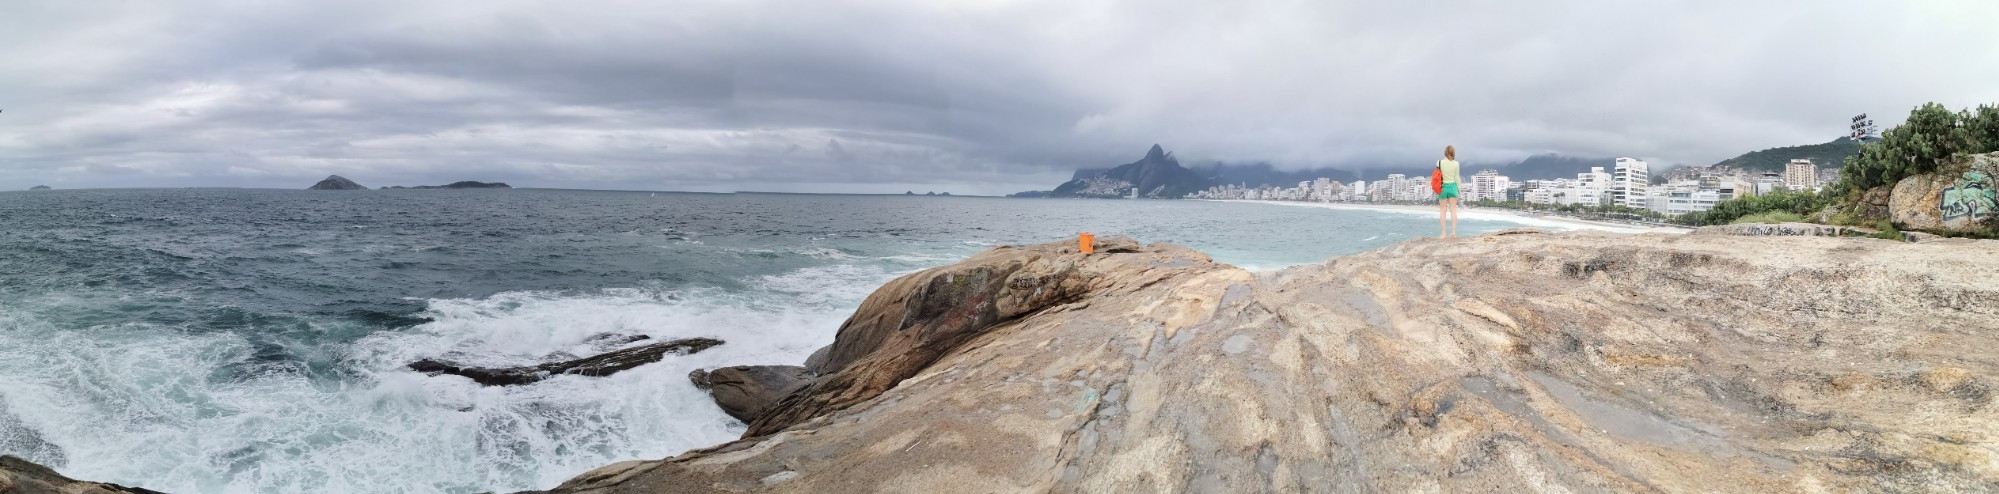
(182, 411)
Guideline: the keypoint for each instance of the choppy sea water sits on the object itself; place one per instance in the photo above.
(219, 340)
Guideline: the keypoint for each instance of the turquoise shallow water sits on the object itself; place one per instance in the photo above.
(220, 340)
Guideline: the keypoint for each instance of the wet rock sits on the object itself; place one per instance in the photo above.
(594, 366)
(19, 476)
(744, 391)
(18, 439)
(817, 362)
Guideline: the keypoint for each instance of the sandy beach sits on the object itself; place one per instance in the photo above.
(1473, 213)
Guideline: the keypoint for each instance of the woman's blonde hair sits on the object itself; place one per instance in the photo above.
(1450, 153)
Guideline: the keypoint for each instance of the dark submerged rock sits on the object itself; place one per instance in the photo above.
(25, 477)
(594, 366)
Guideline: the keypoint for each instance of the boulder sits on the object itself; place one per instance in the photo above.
(913, 320)
(816, 364)
(1874, 204)
(336, 182)
(1961, 197)
(18, 476)
(744, 391)
(1530, 362)
(594, 366)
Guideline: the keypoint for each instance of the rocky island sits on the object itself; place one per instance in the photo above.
(336, 182)
(1518, 361)
(39, 187)
(466, 184)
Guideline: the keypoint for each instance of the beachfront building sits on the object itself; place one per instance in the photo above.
(1487, 185)
(1595, 185)
(1628, 183)
(1801, 174)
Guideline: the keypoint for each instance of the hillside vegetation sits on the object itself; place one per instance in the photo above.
(1829, 154)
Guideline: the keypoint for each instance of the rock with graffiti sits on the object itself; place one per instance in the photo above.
(1971, 199)
(1963, 198)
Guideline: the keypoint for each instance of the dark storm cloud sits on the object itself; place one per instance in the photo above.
(985, 96)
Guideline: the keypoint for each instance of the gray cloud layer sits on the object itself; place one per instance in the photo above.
(969, 96)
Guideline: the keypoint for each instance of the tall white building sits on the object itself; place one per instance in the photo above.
(1801, 174)
(1488, 185)
(1594, 187)
(1628, 183)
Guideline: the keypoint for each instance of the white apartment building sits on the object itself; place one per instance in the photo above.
(1488, 185)
(1597, 185)
(1801, 174)
(1629, 182)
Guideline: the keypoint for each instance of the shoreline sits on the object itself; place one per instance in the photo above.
(1474, 213)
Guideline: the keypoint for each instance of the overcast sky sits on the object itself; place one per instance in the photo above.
(969, 96)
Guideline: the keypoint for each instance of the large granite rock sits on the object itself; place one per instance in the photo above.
(1529, 362)
(913, 320)
(594, 366)
(18, 476)
(336, 182)
(745, 391)
(1960, 198)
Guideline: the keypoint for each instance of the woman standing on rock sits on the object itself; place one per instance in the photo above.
(1447, 196)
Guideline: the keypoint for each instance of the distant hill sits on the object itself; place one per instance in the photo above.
(1546, 167)
(1262, 174)
(336, 182)
(1157, 175)
(1826, 155)
(467, 184)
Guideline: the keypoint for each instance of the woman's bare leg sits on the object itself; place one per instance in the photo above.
(1454, 217)
(1443, 209)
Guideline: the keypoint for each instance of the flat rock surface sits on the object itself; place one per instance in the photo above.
(1532, 362)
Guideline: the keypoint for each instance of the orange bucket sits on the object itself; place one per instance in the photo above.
(1087, 243)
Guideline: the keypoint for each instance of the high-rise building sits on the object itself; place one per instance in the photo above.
(1592, 186)
(1488, 185)
(1801, 174)
(1628, 184)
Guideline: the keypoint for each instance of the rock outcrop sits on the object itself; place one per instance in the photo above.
(336, 182)
(594, 366)
(1961, 197)
(18, 476)
(746, 391)
(1527, 362)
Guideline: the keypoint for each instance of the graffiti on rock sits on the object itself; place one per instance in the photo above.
(1973, 196)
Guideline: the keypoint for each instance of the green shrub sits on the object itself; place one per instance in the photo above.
(1799, 203)
(1888, 231)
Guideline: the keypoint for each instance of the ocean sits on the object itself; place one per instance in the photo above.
(247, 340)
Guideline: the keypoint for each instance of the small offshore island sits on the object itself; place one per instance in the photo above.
(336, 182)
